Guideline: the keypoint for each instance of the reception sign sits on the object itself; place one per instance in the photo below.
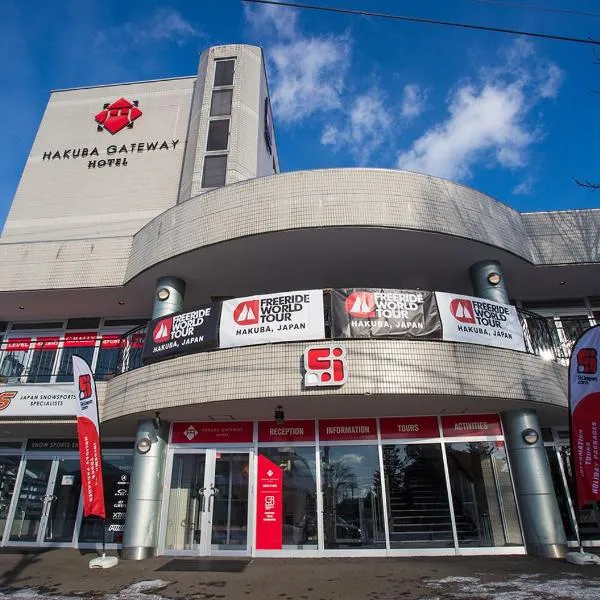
(290, 431)
(283, 317)
(269, 505)
(584, 409)
(367, 313)
(182, 333)
(478, 321)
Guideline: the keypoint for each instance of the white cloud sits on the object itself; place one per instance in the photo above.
(525, 188)
(413, 101)
(307, 73)
(487, 120)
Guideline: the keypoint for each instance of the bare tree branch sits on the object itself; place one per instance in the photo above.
(587, 184)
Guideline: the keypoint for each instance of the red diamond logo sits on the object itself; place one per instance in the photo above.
(118, 115)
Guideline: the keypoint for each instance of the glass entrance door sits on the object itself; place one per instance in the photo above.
(47, 500)
(208, 506)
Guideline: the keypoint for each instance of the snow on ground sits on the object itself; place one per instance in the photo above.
(565, 586)
(137, 591)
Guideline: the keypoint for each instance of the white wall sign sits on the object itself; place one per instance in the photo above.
(479, 321)
(37, 400)
(283, 317)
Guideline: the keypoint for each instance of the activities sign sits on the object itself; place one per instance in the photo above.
(367, 313)
(37, 400)
(269, 505)
(88, 432)
(182, 333)
(478, 321)
(584, 408)
(283, 317)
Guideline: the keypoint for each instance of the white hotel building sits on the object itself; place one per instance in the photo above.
(442, 427)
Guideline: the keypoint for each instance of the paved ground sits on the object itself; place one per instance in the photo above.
(65, 573)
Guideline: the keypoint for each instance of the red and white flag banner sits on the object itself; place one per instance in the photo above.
(584, 408)
(88, 432)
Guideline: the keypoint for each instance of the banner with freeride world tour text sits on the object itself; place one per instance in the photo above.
(584, 408)
(282, 317)
(479, 321)
(368, 313)
(88, 432)
(182, 333)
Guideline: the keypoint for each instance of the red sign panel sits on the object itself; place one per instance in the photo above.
(83, 339)
(333, 430)
(17, 345)
(213, 432)
(409, 428)
(46, 343)
(110, 340)
(269, 505)
(465, 425)
(290, 431)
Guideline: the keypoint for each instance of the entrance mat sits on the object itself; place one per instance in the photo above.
(213, 565)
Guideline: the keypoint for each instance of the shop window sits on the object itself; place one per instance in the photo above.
(116, 473)
(298, 466)
(86, 323)
(81, 343)
(417, 497)
(108, 356)
(215, 171)
(484, 504)
(352, 506)
(221, 103)
(218, 134)
(9, 466)
(32, 326)
(562, 495)
(224, 70)
(41, 367)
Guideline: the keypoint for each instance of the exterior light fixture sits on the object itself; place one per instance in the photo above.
(562, 282)
(163, 294)
(494, 278)
(157, 421)
(279, 415)
(143, 445)
(530, 436)
(121, 302)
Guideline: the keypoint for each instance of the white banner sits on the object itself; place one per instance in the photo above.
(479, 321)
(37, 401)
(284, 317)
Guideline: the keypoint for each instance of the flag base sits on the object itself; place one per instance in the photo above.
(582, 558)
(104, 562)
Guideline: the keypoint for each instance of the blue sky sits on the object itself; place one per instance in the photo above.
(512, 117)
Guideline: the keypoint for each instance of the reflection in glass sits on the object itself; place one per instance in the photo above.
(589, 515)
(228, 500)
(31, 501)
(116, 473)
(63, 502)
(561, 492)
(299, 495)
(417, 497)
(13, 366)
(186, 498)
(65, 370)
(352, 507)
(42, 363)
(9, 466)
(482, 493)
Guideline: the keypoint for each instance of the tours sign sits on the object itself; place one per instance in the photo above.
(480, 321)
(182, 333)
(368, 313)
(283, 317)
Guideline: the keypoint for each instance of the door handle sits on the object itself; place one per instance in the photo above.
(211, 497)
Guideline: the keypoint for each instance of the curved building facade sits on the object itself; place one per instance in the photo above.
(343, 362)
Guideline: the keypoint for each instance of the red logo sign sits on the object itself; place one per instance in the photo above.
(85, 387)
(246, 313)
(325, 365)
(462, 310)
(162, 331)
(118, 115)
(587, 361)
(360, 305)
(5, 398)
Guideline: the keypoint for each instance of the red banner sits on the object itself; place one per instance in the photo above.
(466, 425)
(269, 505)
(584, 407)
(331, 430)
(213, 432)
(17, 344)
(409, 428)
(290, 431)
(82, 339)
(110, 340)
(88, 432)
(46, 343)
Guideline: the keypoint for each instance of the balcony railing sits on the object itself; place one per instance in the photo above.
(48, 360)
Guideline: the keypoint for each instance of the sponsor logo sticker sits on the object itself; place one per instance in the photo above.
(118, 115)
